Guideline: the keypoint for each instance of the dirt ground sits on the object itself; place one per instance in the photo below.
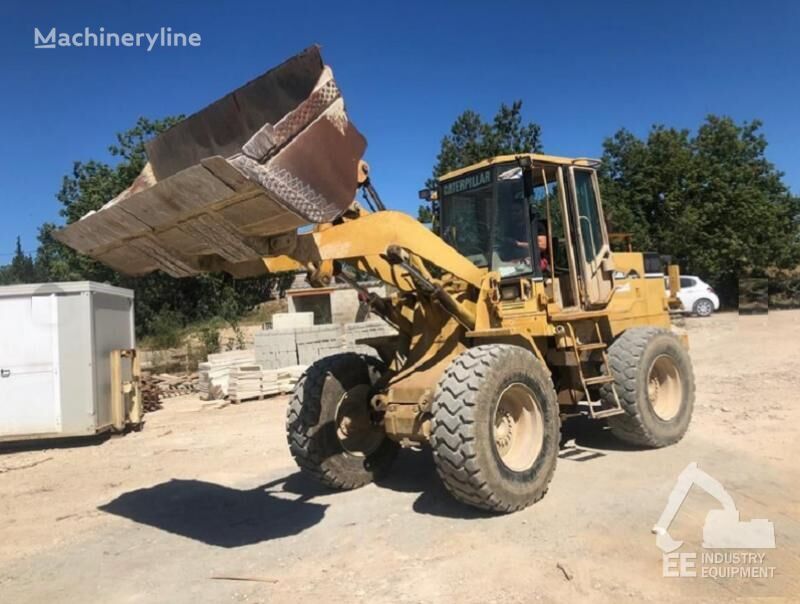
(206, 497)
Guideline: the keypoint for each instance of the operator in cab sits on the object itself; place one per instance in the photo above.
(514, 249)
(544, 251)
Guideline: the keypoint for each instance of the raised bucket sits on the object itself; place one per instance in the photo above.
(270, 157)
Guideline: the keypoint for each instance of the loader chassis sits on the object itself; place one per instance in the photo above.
(574, 320)
(526, 307)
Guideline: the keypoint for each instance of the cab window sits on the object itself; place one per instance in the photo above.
(588, 214)
(511, 254)
(466, 219)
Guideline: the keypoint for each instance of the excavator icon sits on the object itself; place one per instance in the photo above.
(722, 528)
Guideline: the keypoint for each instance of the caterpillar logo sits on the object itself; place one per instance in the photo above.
(471, 181)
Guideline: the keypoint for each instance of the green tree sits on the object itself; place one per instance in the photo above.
(425, 214)
(711, 200)
(472, 140)
(21, 269)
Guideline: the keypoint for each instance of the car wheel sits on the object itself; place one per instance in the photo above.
(703, 307)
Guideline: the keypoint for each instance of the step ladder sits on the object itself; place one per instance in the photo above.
(591, 381)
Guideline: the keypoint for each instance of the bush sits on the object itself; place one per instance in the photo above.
(209, 337)
(237, 342)
(784, 289)
(165, 329)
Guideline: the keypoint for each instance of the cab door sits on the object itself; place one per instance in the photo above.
(592, 239)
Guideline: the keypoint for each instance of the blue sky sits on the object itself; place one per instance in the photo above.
(407, 70)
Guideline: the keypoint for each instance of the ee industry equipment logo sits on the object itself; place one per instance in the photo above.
(89, 38)
(723, 530)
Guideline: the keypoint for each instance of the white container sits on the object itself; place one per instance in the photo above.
(55, 345)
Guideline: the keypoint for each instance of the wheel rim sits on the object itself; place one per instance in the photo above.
(518, 428)
(354, 429)
(704, 307)
(664, 387)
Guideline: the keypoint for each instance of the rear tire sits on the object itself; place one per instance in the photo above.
(654, 380)
(495, 429)
(328, 424)
(703, 307)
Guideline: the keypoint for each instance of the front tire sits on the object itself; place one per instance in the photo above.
(495, 429)
(654, 381)
(328, 424)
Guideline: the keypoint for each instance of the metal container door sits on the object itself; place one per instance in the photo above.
(29, 392)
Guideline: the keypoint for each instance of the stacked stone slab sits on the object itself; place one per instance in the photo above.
(251, 381)
(245, 382)
(214, 374)
(276, 348)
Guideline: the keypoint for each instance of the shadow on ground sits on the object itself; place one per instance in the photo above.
(414, 472)
(227, 517)
(42, 444)
(594, 434)
(222, 516)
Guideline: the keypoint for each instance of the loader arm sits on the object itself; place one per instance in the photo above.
(364, 241)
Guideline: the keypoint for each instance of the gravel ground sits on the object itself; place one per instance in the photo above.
(206, 505)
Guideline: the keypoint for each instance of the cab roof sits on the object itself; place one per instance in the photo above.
(535, 158)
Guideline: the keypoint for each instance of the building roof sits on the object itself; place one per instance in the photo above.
(64, 287)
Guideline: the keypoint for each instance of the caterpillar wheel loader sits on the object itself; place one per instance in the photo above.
(515, 316)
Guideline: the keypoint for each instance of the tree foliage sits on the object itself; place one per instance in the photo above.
(710, 199)
(161, 301)
(21, 269)
(472, 140)
(425, 214)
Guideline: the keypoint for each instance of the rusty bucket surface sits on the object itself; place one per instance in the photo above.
(270, 157)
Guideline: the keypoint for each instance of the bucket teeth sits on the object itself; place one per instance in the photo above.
(270, 157)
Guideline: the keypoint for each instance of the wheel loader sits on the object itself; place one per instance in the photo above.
(513, 317)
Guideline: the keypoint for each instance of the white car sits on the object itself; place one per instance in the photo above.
(696, 295)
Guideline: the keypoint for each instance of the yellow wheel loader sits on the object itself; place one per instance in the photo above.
(512, 318)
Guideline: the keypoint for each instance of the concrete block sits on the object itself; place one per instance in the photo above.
(309, 353)
(292, 320)
(276, 348)
(353, 332)
(318, 333)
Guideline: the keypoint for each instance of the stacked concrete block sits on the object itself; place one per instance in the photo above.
(276, 348)
(281, 348)
(292, 320)
(314, 343)
(353, 332)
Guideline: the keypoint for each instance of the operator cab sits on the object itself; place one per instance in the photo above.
(507, 215)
